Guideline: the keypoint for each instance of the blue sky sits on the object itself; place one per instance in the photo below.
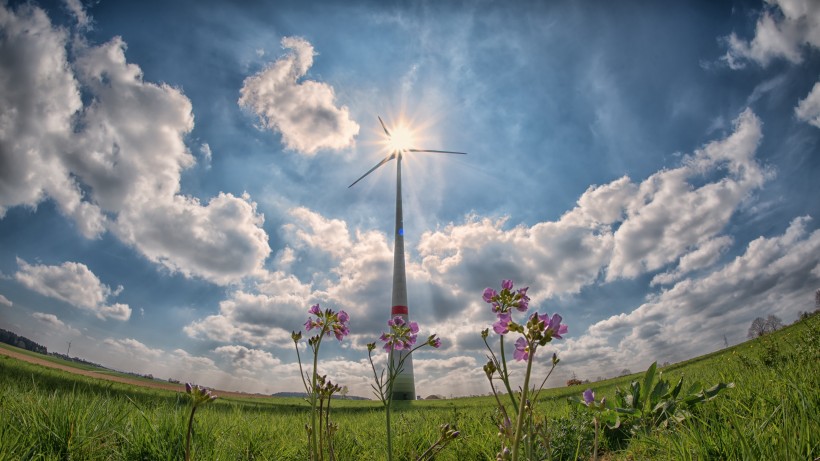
(173, 178)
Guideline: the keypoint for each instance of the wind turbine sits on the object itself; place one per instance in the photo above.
(404, 387)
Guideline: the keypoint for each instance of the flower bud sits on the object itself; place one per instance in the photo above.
(490, 369)
(296, 336)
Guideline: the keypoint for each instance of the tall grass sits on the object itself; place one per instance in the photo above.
(772, 413)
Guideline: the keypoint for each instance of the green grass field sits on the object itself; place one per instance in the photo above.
(771, 413)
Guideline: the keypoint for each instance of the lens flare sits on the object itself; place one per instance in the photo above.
(401, 139)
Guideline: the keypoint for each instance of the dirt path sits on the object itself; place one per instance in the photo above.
(118, 379)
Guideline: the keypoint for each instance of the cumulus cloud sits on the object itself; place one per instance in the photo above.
(38, 98)
(75, 284)
(5, 301)
(703, 257)
(52, 322)
(771, 277)
(132, 348)
(623, 228)
(221, 241)
(808, 109)
(114, 163)
(782, 30)
(303, 111)
(75, 7)
(249, 360)
(263, 317)
(785, 28)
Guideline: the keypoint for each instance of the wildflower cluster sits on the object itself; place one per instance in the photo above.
(318, 388)
(401, 336)
(537, 331)
(328, 322)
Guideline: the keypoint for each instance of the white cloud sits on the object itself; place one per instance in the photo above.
(623, 228)
(704, 256)
(207, 155)
(221, 241)
(302, 111)
(74, 284)
(310, 229)
(75, 7)
(668, 216)
(784, 27)
(5, 301)
(263, 318)
(249, 360)
(52, 322)
(783, 30)
(38, 98)
(116, 162)
(132, 348)
(808, 109)
(774, 276)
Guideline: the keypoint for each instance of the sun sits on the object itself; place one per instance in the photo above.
(401, 138)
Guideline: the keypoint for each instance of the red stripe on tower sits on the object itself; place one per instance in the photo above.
(398, 310)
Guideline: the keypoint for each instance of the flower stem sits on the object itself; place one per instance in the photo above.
(505, 377)
(595, 443)
(314, 453)
(391, 375)
(520, 420)
(188, 438)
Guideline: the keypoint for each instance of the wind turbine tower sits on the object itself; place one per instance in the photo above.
(404, 387)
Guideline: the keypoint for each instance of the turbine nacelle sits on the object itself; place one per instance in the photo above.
(397, 152)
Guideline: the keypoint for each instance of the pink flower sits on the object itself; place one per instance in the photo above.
(522, 350)
(524, 301)
(489, 294)
(506, 284)
(555, 327)
(402, 335)
(395, 322)
(328, 322)
(502, 326)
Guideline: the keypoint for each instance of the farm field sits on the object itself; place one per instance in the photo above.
(773, 412)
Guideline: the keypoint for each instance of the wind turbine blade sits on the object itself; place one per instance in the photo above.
(384, 160)
(436, 151)
(384, 127)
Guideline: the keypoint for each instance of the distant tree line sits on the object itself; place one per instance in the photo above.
(22, 342)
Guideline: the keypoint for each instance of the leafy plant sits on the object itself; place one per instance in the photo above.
(650, 403)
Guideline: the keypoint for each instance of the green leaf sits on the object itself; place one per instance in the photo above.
(659, 391)
(635, 399)
(648, 379)
(676, 390)
(713, 391)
